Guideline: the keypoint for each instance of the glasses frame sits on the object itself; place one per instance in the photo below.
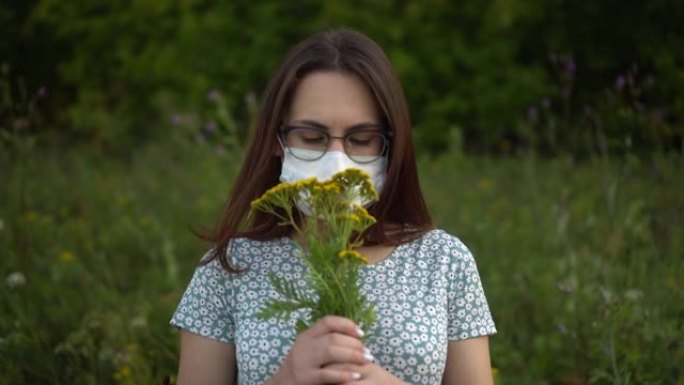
(285, 129)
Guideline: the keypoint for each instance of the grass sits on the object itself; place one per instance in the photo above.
(582, 262)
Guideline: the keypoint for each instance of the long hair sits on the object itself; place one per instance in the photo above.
(401, 212)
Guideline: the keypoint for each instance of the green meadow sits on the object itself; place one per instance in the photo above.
(550, 140)
(582, 261)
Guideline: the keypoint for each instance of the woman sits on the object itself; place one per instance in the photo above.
(334, 103)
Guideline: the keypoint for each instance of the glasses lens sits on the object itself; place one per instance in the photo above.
(365, 146)
(306, 143)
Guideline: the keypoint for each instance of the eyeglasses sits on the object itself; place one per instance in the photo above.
(311, 143)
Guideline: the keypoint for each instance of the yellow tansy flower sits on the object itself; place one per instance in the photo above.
(123, 373)
(363, 215)
(332, 186)
(353, 255)
(66, 256)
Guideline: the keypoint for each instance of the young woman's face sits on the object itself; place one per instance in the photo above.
(339, 104)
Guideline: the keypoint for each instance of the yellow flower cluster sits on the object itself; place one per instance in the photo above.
(282, 194)
(354, 177)
(333, 222)
(351, 217)
(359, 217)
(331, 187)
(362, 215)
(353, 255)
(320, 193)
(66, 256)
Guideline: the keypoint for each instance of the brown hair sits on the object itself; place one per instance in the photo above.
(401, 212)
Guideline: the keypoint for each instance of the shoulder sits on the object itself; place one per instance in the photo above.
(245, 253)
(439, 241)
(436, 250)
(248, 255)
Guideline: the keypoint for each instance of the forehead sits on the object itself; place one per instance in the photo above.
(334, 99)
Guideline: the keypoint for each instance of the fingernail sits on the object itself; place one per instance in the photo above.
(368, 355)
(360, 332)
(356, 375)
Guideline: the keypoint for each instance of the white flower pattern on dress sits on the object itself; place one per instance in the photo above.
(426, 293)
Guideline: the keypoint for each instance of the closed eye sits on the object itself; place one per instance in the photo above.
(313, 138)
(365, 138)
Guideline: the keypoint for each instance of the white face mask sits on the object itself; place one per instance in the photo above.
(331, 163)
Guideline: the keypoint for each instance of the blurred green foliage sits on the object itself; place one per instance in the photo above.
(581, 262)
(580, 254)
(117, 71)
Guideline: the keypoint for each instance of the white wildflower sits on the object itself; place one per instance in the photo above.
(139, 322)
(15, 279)
(634, 295)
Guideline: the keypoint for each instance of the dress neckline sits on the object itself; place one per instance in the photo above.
(389, 259)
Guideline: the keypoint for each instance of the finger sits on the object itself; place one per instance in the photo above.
(330, 324)
(349, 369)
(345, 367)
(340, 355)
(341, 340)
(365, 374)
(336, 376)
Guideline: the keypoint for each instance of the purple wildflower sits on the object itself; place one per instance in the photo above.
(545, 102)
(176, 119)
(42, 92)
(562, 328)
(649, 81)
(660, 114)
(213, 95)
(210, 127)
(532, 114)
(571, 66)
(620, 82)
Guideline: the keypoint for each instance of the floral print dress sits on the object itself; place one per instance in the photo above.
(426, 293)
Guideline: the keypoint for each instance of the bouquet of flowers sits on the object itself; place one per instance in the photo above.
(331, 230)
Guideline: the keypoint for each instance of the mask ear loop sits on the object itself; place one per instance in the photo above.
(388, 143)
(282, 148)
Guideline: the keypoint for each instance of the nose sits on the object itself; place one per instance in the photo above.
(336, 144)
(336, 162)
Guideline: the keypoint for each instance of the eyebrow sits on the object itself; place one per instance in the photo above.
(355, 127)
